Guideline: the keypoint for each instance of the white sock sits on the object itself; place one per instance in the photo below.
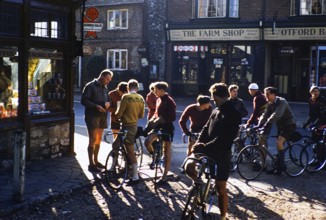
(135, 171)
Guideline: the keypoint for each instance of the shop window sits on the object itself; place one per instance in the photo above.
(218, 8)
(241, 68)
(117, 19)
(49, 24)
(8, 82)
(117, 59)
(309, 7)
(10, 19)
(46, 80)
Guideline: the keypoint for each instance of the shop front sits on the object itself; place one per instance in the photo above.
(203, 59)
(36, 81)
(296, 58)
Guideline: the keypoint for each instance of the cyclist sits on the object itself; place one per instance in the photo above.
(132, 108)
(277, 111)
(215, 140)
(237, 102)
(96, 100)
(151, 101)
(317, 120)
(198, 115)
(259, 104)
(165, 114)
(317, 108)
(115, 96)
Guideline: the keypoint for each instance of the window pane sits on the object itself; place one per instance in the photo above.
(10, 19)
(117, 18)
(124, 60)
(8, 82)
(234, 8)
(46, 90)
(111, 20)
(110, 59)
(117, 60)
(124, 19)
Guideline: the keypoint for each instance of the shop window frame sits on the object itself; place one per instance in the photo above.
(66, 71)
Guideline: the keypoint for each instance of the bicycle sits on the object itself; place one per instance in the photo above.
(158, 156)
(316, 148)
(245, 137)
(253, 159)
(203, 192)
(117, 163)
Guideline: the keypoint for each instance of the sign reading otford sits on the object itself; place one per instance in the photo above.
(299, 33)
(215, 34)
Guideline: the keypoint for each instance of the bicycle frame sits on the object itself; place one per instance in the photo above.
(252, 160)
(198, 195)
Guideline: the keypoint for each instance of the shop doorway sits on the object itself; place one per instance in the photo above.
(282, 75)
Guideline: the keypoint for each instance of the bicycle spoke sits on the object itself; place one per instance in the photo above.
(315, 164)
(295, 160)
(250, 162)
(116, 169)
(139, 151)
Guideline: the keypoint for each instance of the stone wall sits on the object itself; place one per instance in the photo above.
(49, 141)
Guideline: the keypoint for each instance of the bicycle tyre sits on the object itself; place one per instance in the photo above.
(139, 151)
(295, 160)
(314, 165)
(189, 211)
(251, 162)
(116, 169)
(157, 161)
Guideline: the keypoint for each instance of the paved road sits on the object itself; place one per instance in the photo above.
(52, 177)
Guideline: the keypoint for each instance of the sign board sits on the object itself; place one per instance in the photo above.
(298, 33)
(242, 34)
(97, 27)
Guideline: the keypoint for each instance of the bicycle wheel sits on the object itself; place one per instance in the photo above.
(116, 169)
(251, 162)
(192, 204)
(295, 160)
(314, 163)
(139, 151)
(157, 158)
(235, 149)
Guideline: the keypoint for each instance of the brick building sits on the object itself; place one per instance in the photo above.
(126, 36)
(280, 43)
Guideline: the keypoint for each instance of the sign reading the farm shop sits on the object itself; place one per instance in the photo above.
(299, 33)
(215, 34)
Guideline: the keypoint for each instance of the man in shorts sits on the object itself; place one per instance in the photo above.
(96, 100)
(277, 111)
(165, 114)
(131, 109)
(215, 141)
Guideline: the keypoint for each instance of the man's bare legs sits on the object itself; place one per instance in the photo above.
(95, 137)
(167, 158)
(222, 197)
